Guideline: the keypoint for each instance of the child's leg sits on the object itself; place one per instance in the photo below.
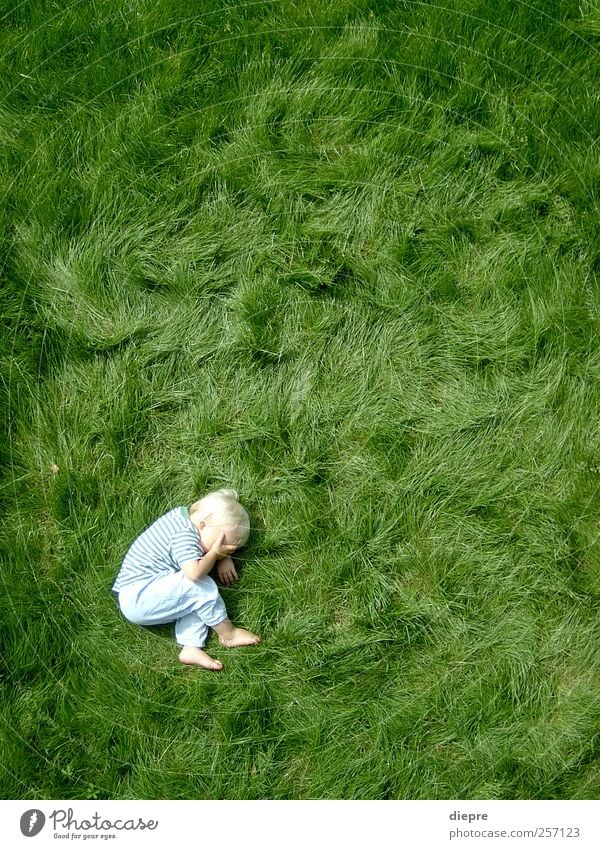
(191, 632)
(195, 606)
(231, 637)
(171, 597)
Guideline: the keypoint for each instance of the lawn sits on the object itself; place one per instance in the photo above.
(342, 256)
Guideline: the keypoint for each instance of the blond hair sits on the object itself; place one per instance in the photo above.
(224, 506)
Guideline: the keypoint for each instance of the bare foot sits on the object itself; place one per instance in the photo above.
(198, 657)
(238, 637)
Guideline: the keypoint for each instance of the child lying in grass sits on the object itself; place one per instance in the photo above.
(165, 574)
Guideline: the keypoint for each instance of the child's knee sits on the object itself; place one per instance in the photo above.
(205, 588)
(212, 590)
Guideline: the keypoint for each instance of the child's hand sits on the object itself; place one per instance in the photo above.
(226, 572)
(222, 550)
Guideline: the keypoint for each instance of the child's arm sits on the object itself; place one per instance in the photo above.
(196, 569)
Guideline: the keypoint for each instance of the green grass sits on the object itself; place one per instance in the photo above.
(342, 256)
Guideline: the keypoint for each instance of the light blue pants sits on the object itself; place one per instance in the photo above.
(194, 606)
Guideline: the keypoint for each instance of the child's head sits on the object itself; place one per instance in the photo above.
(221, 512)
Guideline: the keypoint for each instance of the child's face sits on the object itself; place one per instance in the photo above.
(211, 530)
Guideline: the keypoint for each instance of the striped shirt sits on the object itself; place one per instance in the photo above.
(162, 548)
